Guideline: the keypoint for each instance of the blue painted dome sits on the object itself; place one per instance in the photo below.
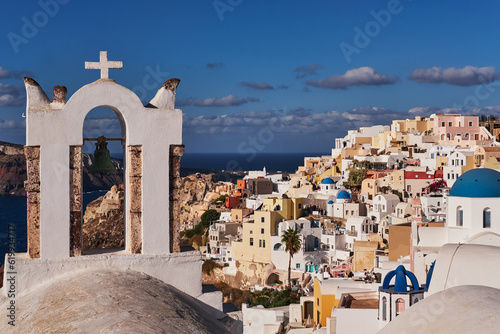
(327, 180)
(400, 285)
(343, 195)
(479, 182)
(330, 202)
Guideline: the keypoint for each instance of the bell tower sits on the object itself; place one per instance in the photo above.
(152, 137)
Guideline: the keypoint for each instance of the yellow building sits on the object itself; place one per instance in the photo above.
(286, 208)
(419, 124)
(324, 300)
(397, 180)
(255, 244)
(381, 140)
(492, 163)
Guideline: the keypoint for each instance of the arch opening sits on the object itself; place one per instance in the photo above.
(460, 216)
(487, 218)
(103, 205)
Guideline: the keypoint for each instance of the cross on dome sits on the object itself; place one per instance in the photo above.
(104, 65)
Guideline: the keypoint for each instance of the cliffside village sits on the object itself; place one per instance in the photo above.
(380, 207)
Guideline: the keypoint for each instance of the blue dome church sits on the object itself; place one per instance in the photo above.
(474, 206)
(395, 298)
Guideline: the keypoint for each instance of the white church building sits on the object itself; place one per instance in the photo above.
(473, 211)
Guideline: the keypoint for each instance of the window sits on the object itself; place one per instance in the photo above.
(450, 123)
(300, 206)
(261, 219)
(297, 266)
(460, 216)
(487, 218)
(384, 309)
(317, 303)
(263, 243)
(251, 241)
(470, 123)
(442, 123)
(400, 306)
(261, 231)
(400, 178)
(408, 188)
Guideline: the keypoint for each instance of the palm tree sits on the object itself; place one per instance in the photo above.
(291, 239)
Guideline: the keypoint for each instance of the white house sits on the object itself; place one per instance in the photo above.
(401, 214)
(383, 204)
(457, 164)
(356, 228)
(309, 258)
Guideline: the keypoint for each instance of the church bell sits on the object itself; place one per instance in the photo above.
(102, 159)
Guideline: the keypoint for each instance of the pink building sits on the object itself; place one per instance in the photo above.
(454, 129)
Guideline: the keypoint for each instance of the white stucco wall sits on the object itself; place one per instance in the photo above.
(57, 127)
(357, 321)
(182, 270)
(472, 217)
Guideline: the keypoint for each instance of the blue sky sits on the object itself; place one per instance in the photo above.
(269, 76)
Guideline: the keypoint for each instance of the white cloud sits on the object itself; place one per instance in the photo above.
(257, 85)
(11, 95)
(363, 76)
(467, 76)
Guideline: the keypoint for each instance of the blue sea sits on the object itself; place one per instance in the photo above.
(13, 213)
(13, 208)
(274, 162)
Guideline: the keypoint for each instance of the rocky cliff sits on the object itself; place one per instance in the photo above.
(13, 172)
(193, 191)
(103, 221)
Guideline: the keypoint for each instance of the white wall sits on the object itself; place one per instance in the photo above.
(357, 321)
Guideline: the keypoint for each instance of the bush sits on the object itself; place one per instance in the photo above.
(221, 199)
(198, 230)
(274, 298)
(356, 177)
(208, 217)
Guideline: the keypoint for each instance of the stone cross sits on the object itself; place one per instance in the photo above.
(104, 65)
